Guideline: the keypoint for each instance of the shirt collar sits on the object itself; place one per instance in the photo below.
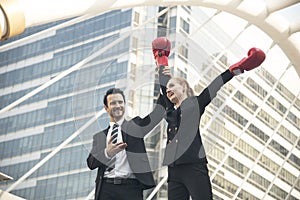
(118, 122)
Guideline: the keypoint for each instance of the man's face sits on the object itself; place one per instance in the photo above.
(115, 106)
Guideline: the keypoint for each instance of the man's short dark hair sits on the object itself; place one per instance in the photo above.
(113, 91)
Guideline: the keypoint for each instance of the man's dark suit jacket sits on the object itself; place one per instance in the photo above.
(133, 132)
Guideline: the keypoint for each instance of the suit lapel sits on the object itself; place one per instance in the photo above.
(106, 130)
(124, 135)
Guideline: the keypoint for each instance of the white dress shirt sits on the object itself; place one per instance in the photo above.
(122, 168)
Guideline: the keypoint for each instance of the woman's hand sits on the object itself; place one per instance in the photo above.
(165, 70)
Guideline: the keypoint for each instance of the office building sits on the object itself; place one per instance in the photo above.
(59, 71)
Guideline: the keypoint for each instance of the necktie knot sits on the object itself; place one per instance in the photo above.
(115, 125)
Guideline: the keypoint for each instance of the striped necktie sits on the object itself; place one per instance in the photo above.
(114, 133)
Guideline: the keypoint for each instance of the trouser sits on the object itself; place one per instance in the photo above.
(111, 190)
(189, 180)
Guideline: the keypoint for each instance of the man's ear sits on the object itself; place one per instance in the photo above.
(106, 108)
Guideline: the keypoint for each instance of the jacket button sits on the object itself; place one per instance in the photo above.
(175, 128)
(170, 141)
(176, 141)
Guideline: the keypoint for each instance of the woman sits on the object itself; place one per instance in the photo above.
(185, 155)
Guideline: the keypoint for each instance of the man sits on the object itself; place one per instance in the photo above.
(119, 151)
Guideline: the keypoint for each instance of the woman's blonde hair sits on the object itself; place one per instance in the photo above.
(182, 81)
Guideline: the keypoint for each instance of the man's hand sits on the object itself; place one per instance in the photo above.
(113, 149)
(254, 59)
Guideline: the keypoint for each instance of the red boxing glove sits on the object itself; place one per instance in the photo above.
(254, 59)
(161, 49)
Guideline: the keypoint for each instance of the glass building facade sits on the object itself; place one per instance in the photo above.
(38, 125)
(59, 72)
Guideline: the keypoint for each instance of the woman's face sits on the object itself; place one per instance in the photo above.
(175, 91)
